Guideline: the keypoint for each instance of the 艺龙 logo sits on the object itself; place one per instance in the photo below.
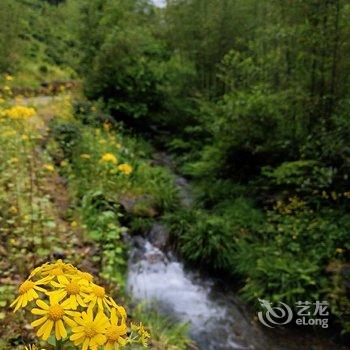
(307, 313)
(277, 315)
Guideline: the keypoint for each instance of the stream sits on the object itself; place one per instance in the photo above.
(216, 317)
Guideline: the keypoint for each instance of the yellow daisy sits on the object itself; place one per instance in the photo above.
(109, 158)
(118, 308)
(125, 168)
(85, 276)
(38, 270)
(115, 333)
(97, 295)
(27, 291)
(59, 268)
(52, 317)
(74, 288)
(90, 331)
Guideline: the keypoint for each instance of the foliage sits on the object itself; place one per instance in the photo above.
(165, 334)
(291, 252)
(251, 95)
(39, 221)
(10, 41)
(211, 238)
(128, 66)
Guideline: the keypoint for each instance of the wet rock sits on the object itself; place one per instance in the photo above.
(159, 235)
(141, 206)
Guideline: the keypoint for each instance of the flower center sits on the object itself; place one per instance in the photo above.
(113, 333)
(55, 312)
(73, 288)
(25, 286)
(90, 330)
(99, 291)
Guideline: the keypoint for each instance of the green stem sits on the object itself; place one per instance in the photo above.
(59, 345)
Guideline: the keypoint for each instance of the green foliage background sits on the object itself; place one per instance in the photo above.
(251, 96)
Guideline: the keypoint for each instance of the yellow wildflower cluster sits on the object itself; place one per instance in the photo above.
(124, 168)
(294, 204)
(85, 156)
(109, 158)
(70, 306)
(8, 77)
(19, 112)
(49, 167)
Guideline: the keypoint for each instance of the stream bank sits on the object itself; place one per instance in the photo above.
(217, 318)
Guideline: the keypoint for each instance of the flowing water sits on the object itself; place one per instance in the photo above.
(217, 318)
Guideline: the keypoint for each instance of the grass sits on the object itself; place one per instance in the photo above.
(56, 203)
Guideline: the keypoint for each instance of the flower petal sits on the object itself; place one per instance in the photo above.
(36, 311)
(42, 304)
(69, 321)
(39, 321)
(48, 330)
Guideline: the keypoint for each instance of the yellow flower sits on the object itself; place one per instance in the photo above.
(85, 276)
(125, 168)
(19, 112)
(74, 288)
(9, 133)
(55, 269)
(52, 317)
(13, 160)
(30, 347)
(120, 309)
(38, 270)
(109, 158)
(27, 218)
(13, 210)
(115, 333)
(102, 142)
(85, 156)
(73, 224)
(144, 335)
(97, 295)
(49, 167)
(59, 268)
(90, 331)
(27, 291)
(8, 77)
(65, 308)
(106, 126)
(25, 137)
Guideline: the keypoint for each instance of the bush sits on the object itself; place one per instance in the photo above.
(211, 238)
(288, 257)
(67, 135)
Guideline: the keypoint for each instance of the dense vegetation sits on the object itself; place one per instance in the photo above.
(255, 97)
(251, 97)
